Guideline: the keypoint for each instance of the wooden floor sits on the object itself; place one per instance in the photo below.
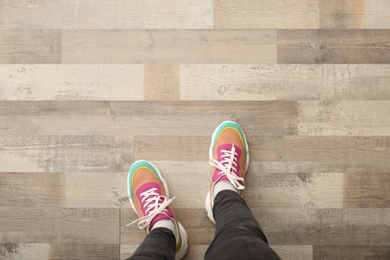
(87, 87)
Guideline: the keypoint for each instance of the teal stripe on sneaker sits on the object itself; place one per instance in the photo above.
(232, 125)
(134, 168)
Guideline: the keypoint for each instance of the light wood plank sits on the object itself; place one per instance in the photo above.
(358, 252)
(59, 225)
(293, 252)
(367, 190)
(252, 14)
(168, 46)
(362, 118)
(35, 14)
(88, 154)
(284, 82)
(377, 14)
(162, 82)
(139, 14)
(333, 46)
(71, 82)
(30, 46)
(339, 14)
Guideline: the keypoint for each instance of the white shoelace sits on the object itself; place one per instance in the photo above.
(228, 167)
(153, 206)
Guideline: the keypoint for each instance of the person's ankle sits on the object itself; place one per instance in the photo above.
(166, 223)
(223, 185)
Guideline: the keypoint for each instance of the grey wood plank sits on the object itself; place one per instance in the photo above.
(31, 14)
(138, 14)
(71, 82)
(88, 154)
(42, 251)
(162, 82)
(30, 46)
(377, 14)
(284, 82)
(168, 46)
(278, 14)
(339, 14)
(147, 118)
(59, 225)
(362, 118)
(333, 46)
(358, 252)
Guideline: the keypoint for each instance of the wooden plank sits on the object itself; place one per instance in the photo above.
(358, 252)
(362, 118)
(69, 190)
(152, 14)
(59, 225)
(377, 14)
(339, 14)
(42, 251)
(23, 14)
(333, 46)
(367, 190)
(168, 46)
(293, 252)
(162, 82)
(284, 82)
(252, 14)
(88, 154)
(147, 118)
(30, 46)
(71, 82)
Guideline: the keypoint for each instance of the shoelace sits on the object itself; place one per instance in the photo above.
(228, 167)
(154, 205)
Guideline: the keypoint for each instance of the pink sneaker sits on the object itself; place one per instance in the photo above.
(229, 159)
(149, 198)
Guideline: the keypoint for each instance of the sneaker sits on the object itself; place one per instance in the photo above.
(149, 198)
(229, 159)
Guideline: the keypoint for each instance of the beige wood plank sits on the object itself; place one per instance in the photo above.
(278, 14)
(30, 46)
(35, 14)
(162, 82)
(168, 46)
(148, 118)
(59, 225)
(284, 82)
(339, 14)
(293, 252)
(377, 14)
(42, 251)
(139, 14)
(87, 154)
(71, 82)
(358, 252)
(334, 46)
(362, 118)
(367, 190)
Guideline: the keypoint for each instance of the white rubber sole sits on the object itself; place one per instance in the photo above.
(208, 206)
(184, 246)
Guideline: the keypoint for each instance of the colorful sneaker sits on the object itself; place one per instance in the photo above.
(149, 198)
(229, 159)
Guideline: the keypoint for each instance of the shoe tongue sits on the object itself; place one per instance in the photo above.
(227, 147)
(148, 186)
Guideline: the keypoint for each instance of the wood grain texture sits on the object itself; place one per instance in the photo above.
(35, 14)
(147, 118)
(30, 46)
(168, 46)
(377, 14)
(151, 14)
(333, 46)
(361, 252)
(339, 14)
(71, 82)
(235, 14)
(284, 82)
(162, 82)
